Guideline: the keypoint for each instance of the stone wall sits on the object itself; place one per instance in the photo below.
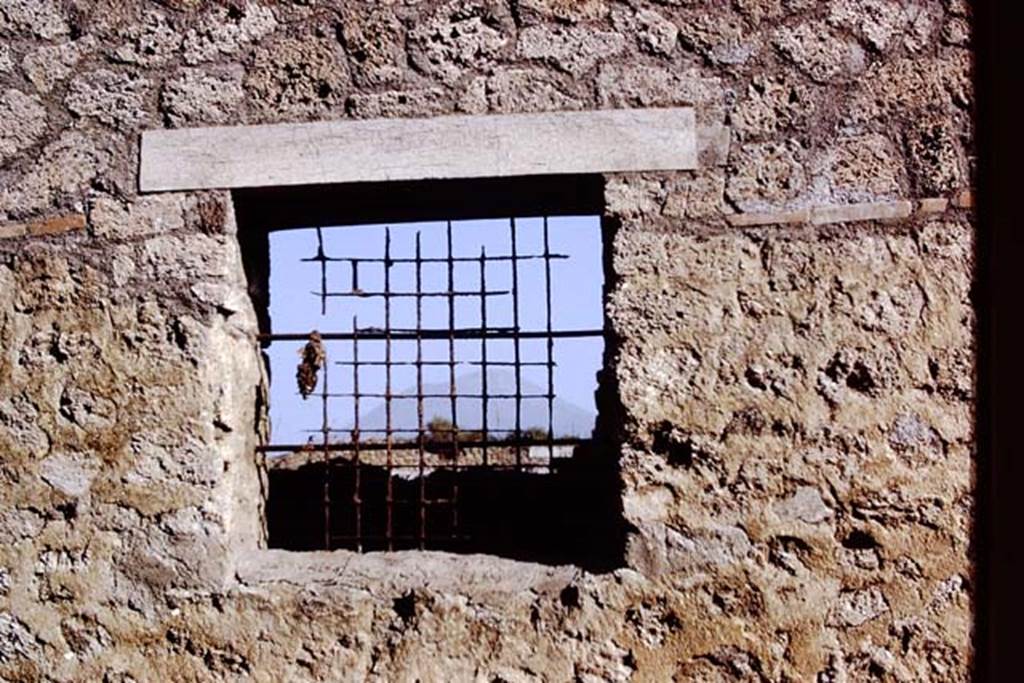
(794, 329)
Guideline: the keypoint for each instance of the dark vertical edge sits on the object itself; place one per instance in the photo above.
(389, 499)
(996, 303)
(518, 434)
(419, 395)
(483, 349)
(550, 342)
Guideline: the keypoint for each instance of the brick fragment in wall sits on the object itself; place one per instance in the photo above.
(44, 227)
(964, 199)
(932, 205)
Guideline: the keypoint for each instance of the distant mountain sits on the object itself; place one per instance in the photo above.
(569, 418)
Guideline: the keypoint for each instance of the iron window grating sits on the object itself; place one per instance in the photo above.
(421, 451)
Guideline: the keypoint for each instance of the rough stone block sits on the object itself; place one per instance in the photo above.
(39, 18)
(572, 49)
(460, 36)
(49, 65)
(820, 53)
(765, 176)
(226, 30)
(200, 97)
(112, 98)
(294, 78)
(22, 122)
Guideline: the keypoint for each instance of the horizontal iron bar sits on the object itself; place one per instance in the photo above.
(401, 397)
(445, 363)
(398, 537)
(399, 335)
(351, 464)
(409, 430)
(413, 445)
(412, 295)
(434, 259)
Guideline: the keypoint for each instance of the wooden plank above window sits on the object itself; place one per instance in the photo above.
(414, 149)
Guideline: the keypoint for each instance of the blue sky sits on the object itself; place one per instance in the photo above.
(576, 304)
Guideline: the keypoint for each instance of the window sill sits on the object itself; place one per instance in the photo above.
(477, 576)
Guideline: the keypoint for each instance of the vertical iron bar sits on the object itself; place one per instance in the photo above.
(451, 381)
(551, 345)
(326, 431)
(322, 257)
(515, 326)
(483, 347)
(419, 393)
(325, 426)
(390, 501)
(357, 498)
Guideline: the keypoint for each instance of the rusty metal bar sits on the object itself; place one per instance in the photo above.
(321, 256)
(410, 397)
(455, 259)
(483, 346)
(357, 497)
(517, 360)
(411, 445)
(412, 363)
(550, 340)
(390, 495)
(325, 427)
(451, 375)
(419, 295)
(419, 400)
(375, 334)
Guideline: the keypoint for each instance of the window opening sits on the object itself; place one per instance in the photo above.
(340, 476)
